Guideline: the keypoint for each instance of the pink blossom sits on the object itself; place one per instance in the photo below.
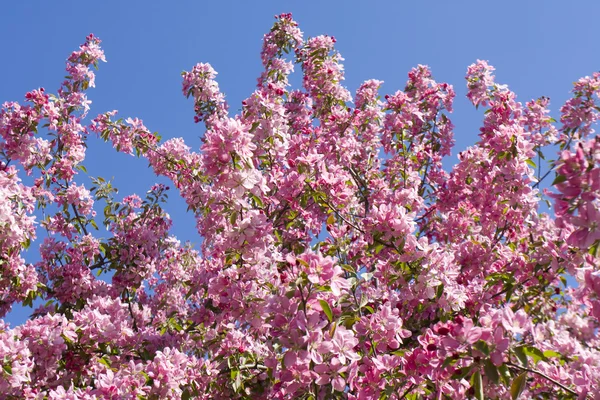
(337, 255)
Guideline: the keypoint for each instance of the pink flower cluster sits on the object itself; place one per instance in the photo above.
(338, 258)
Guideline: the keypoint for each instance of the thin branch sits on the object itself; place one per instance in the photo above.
(101, 263)
(554, 165)
(533, 371)
(135, 327)
(337, 213)
(410, 389)
(78, 218)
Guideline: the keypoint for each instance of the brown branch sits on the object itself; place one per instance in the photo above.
(410, 389)
(533, 371)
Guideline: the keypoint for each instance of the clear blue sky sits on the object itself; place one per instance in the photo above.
(538, 48)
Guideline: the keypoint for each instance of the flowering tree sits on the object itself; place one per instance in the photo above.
(427, 283)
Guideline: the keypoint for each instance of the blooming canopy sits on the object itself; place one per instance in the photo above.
(338, 260)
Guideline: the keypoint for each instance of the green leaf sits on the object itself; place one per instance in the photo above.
(173, 323)
(254, 126)
(331, 219)
(491, 371)
(482, 347)
(534, 353)
(531, 163)
(593, 250)
(520, 353)
(559, 179)
(190, 292)
(462, 372)
(103, 247)
(518, 385)
(348, 268)
(504, 374)
(552, 353)
(301, 261)
(499, 276)
(233, 217)
(186, 395)
(326, 310)
(104, 361)
(28, 302)
(237, 380)
(257, 200)
(7, 368)
(440, 291)
(449, 361)
(477, 385)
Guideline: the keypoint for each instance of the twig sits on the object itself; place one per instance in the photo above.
(554, 165)
(410, 388)
(135, 327)
(533, 371)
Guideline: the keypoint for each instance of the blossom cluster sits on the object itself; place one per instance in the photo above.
(338, 258)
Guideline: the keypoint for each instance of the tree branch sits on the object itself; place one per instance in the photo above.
(533, 371)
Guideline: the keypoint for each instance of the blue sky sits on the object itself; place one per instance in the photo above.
(538, 48)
